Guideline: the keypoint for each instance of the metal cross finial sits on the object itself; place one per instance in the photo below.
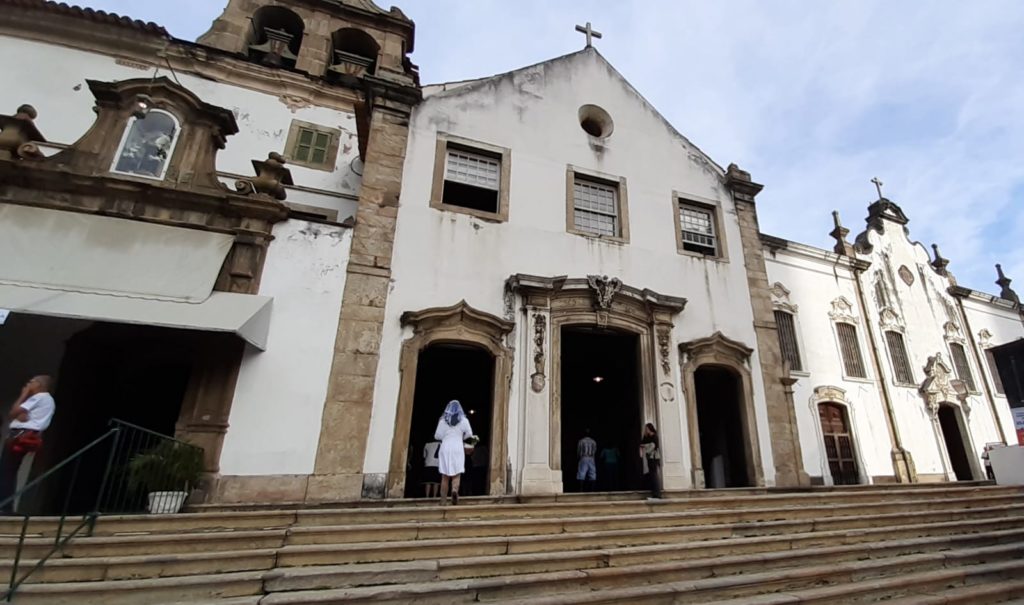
(878, 185)
(590, 32)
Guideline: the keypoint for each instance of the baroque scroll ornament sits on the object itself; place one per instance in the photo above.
(537, 379)
(605, 289)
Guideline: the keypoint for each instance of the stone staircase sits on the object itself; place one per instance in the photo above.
(920, 544)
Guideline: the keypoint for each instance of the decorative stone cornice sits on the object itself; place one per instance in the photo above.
(539, 290)
(460, 314)
(738, 181)
(716, 344)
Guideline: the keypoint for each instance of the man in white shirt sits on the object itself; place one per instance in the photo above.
(30, 416)
(431, 476)
(586, 472)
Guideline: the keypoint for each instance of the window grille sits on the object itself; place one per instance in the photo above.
(900, 361)
(697, 229)
(472, 169)
(963, 369)
(849, 347)
(993, 368)
(595, 208)
(787, 339)
(312, 146)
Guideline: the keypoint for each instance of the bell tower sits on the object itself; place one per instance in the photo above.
(340, 40)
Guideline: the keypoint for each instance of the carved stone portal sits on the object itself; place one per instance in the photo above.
(939, 386)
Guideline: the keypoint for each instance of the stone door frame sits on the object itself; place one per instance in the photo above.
(457, 324)
(939, 389)
(721, 351)
(596, 301)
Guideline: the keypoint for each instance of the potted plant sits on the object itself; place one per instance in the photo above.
(167, 472)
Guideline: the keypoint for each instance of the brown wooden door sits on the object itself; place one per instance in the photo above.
(838, 444)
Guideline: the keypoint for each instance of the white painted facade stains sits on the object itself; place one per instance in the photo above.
(279, 397)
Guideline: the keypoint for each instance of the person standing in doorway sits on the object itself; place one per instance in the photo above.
(431, 476)
(452, 429)
(650, 451)
(609, 457)
(586, 471)
(30, 416)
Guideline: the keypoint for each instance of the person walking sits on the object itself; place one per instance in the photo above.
(452, 429)
(431, 476)
(650, 451)
(609, 457)
(30, 416)
(586, 470)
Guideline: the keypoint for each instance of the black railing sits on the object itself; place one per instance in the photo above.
(127, 470)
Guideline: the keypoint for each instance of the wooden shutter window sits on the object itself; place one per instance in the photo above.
(787, 339)
(900, 361)
(849, 347)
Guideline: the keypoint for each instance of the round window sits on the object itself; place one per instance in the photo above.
(596, 121)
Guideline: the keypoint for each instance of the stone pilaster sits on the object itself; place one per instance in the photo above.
(782, 425)
(346, 417)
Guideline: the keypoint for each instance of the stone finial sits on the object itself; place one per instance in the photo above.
(839, 234)
(18, 132)
(271, 177)
(939, 264)
(739, 182)
(1003, 282)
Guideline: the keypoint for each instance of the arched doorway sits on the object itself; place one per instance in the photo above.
(724, 451)
(447, 371)
(464, 358)
(835, 429)
(956, 445)
(600, 393)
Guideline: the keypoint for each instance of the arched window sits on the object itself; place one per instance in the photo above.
(355, 52)
(276, 36)
(147, 145)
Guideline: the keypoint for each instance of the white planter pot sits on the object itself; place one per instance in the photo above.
(166, 503)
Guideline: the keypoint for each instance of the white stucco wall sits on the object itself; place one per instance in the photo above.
(815, 280)
(993, 323)
(54, 82)
(279, 398)
(442, 257)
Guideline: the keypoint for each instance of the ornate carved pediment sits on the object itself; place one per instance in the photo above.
(940, 385)
(984, 338)
(460, 317)
(842, 310)
(828, 393)
(716, 345)
(952, 332)
(890, 320)
(599, 294)
(780, 298)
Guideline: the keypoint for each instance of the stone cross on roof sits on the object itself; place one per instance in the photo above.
(878, 186)
(590, 32)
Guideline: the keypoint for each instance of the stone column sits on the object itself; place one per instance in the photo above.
(782, 425)
(346, 417)
(670, 402)
(535, 377)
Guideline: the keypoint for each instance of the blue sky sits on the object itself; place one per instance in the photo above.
(813, 98)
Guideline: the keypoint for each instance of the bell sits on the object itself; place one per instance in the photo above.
(276, 49)
(349, 64)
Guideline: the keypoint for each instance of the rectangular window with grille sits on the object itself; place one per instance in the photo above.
(697, 229)
(993, 368)
(900, 361)
(471, 180)
(963, 369)
(595, 207)
(787, 339)
(849, 347)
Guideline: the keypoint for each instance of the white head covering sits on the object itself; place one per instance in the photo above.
(453, 413)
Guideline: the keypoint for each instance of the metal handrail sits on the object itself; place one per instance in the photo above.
(126, 440)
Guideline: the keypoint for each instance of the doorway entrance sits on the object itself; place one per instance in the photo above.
(949, 420)
(445, 372)
(723, 441)
(835, 428)
(600, 392)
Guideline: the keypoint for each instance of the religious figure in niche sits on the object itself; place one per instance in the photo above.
(147, 147)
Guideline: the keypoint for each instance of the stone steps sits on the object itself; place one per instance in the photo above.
(742, 547)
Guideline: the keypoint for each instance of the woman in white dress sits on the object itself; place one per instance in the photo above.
(452, 428)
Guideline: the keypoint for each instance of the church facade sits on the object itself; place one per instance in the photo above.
(301, 255)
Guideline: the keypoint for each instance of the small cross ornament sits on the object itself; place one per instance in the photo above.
(590, 33)
(878, 185)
